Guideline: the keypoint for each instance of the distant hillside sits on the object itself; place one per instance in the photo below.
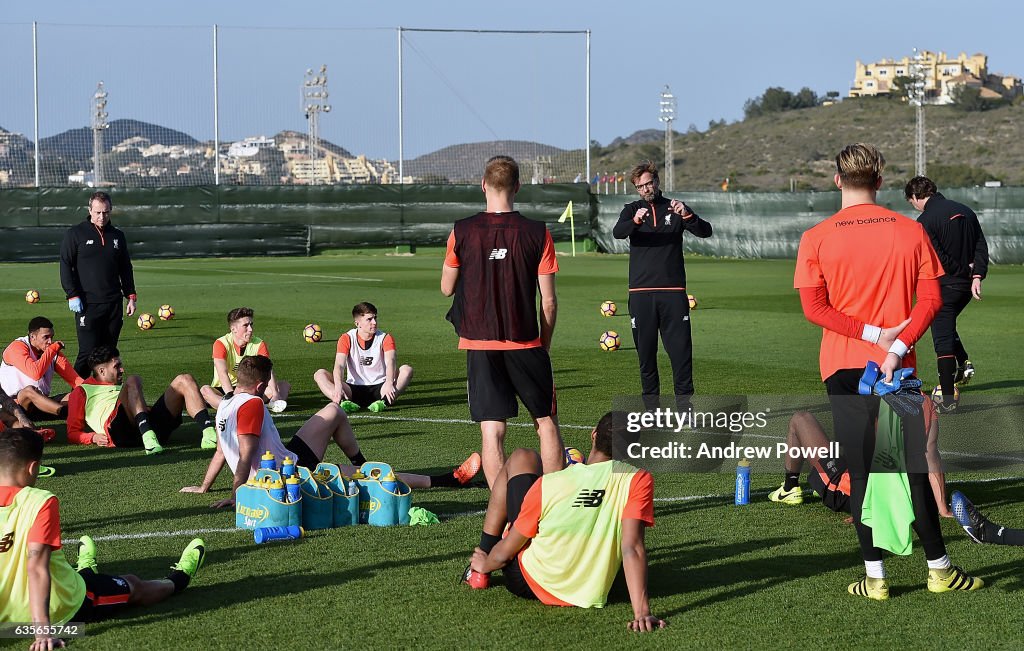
(640, 137)
(326, 144)
(766, 153)
(465, 163)
(77, 143)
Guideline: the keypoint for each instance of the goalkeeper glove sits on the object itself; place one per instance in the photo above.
(75, 305)
(903, 393)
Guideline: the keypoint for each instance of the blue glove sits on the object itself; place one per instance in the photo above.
(75, 305)
(903, 393)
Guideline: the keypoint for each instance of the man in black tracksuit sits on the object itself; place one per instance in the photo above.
(657, 282)
(95, 272)
(957, 238)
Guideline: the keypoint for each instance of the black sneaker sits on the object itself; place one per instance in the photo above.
(969, 517)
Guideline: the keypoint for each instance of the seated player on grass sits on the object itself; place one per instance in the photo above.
(110, 409)
(980, 528)
(570, 531)
(374, 379)
(37, 582)
(11, 414)
(830, 478)
(26, 372)
(246, 430)
(229, 350)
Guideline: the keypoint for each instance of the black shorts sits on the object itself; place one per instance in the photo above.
(105, 595)
(365, 394)
(303, 455)
(516, 492)
(832, 482)
(124, 433)
(496, 377)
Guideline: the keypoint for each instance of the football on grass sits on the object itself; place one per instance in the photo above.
(609, 341)
(312, 333)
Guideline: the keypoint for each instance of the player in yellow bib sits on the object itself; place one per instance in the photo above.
(570, 531)
(231, 349)
(37, 583)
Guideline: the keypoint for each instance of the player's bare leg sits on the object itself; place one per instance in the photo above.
(148, 593)
(211, 396)
(133, 401)
(31, 397)
(132, 398)
(331, 424)
(492, 448)
(184, 393)
(552, 450)
(520, 462)
(325, 381)
(403, 380)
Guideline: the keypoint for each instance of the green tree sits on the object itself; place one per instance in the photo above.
(968, 98)
(901, 87)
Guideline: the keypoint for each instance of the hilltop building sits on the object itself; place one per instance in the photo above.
(942, 75)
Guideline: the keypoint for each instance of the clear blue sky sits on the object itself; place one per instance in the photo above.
(155, 59)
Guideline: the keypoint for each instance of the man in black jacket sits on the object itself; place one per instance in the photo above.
(957, 238)
(657, 282)
(95, 272)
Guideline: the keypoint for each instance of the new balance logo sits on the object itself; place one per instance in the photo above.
(89, 241)
(6, 543)
(497, 254)
(366, 361)
(589, 498)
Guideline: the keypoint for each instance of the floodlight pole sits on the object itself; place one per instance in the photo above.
(314, 95)
(99, 123)
(667, 114)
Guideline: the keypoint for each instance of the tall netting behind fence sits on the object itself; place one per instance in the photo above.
(309, 106)
(151, 120)
(16, 121)
(144, 106)
(523, 94)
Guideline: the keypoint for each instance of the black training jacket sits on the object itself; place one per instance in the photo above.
(95, 265)
(656, 245)
(957, 238)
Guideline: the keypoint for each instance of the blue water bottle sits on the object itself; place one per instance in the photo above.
(267, 461)
(287, 467)
(389, 483)
(277, 490)
(294, 488)
(743, 482)
(266, 534)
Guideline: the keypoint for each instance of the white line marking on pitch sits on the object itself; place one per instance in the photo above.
(461, 514)
(452, 421)
(264, 273)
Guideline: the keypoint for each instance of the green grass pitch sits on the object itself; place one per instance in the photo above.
(724, 576)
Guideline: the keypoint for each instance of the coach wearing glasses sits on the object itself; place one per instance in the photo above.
(657, 282)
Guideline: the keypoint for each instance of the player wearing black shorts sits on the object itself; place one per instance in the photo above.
(495, 263)
(38, 583)
(109, 409)
(829, 477)
(246, 429)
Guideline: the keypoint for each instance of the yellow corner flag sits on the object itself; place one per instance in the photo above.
(566, 213)
(572, 225)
